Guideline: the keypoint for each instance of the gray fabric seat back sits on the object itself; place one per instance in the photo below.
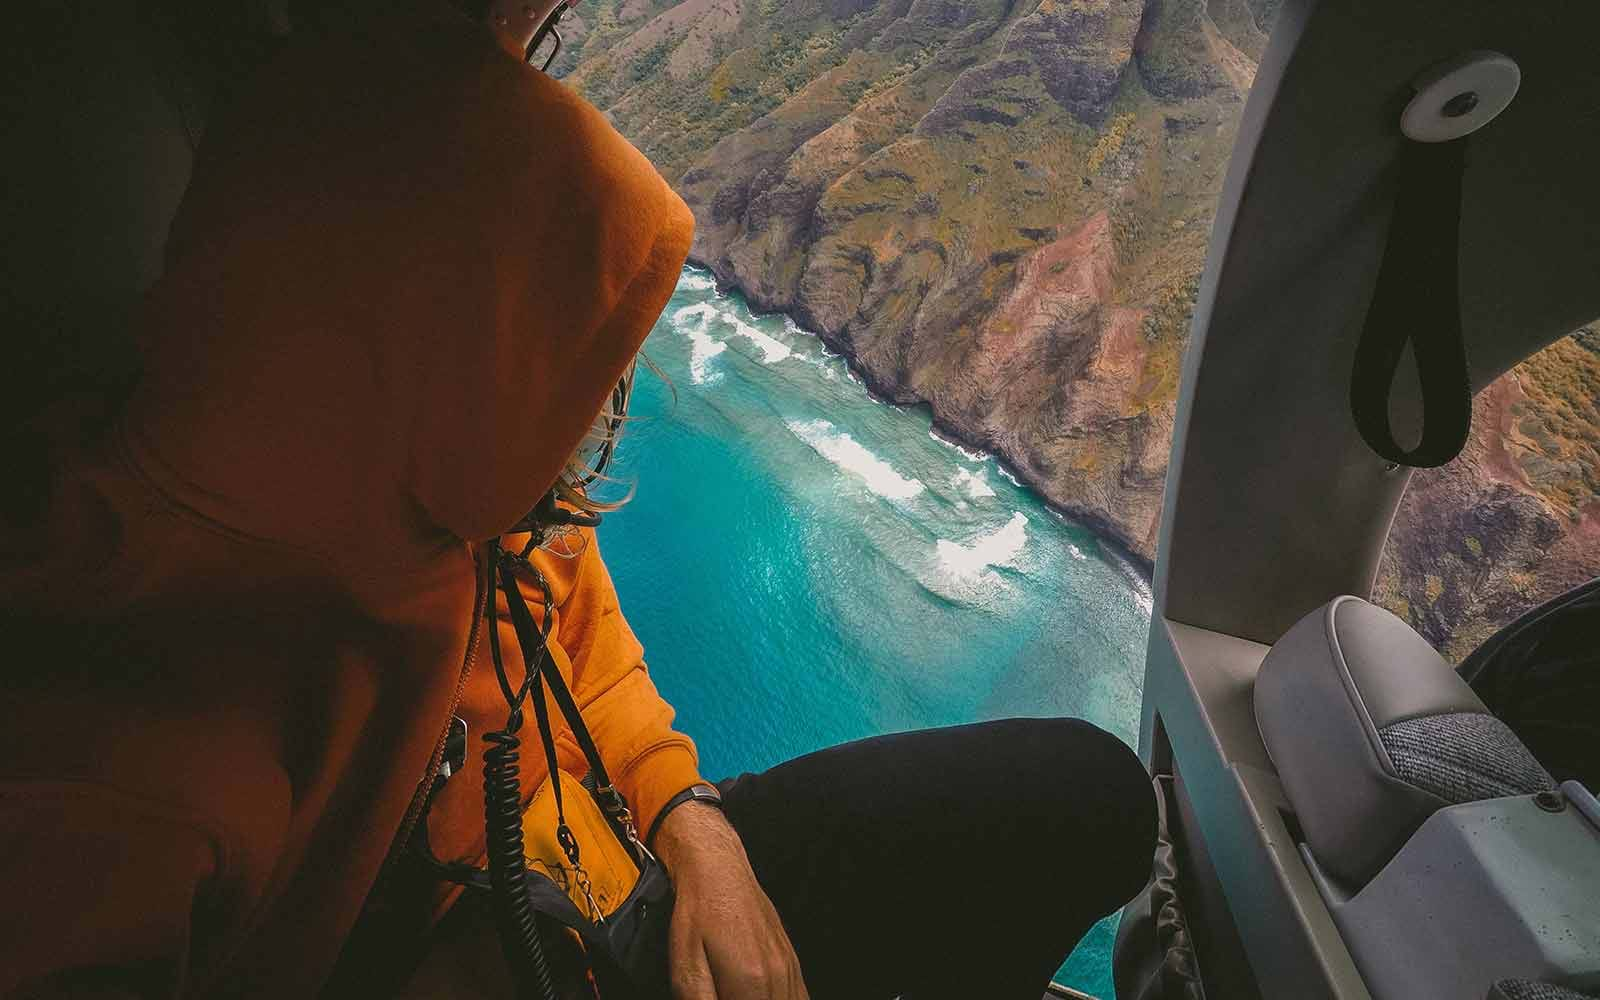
(1371, 731)
(1530, 989)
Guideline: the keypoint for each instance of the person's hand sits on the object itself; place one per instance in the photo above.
(726, 941)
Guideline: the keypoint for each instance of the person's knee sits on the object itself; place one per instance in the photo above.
(1105, 801)
(1129, 840)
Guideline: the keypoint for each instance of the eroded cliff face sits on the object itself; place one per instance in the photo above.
(1001, 209)
(1516, 518)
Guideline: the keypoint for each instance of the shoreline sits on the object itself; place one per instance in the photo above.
(1092, 521)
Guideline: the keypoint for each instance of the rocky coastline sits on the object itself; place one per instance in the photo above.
(1105, 530)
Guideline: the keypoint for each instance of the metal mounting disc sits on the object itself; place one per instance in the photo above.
(1460, 96)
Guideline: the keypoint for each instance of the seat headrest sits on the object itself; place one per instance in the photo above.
(1371, 732)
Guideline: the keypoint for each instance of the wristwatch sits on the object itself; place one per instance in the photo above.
(698, 792)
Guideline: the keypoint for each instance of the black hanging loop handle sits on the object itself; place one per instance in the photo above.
(1418, 301)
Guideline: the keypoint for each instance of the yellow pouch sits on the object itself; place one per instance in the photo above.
(606, 872)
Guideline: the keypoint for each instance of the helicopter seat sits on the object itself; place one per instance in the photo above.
(1447, 856)
(1372, 732)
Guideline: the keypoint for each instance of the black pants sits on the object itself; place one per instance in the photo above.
(947, 863)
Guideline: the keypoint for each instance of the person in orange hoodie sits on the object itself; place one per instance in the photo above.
(243, 603)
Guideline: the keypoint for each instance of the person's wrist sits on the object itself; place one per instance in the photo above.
(700, 791)
(693, 832)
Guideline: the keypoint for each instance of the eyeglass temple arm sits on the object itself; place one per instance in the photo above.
(547, 29)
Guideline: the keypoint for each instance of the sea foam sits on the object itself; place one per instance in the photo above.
(692, 321)
(975, 483)
(971, 456)
(849, 455)
(999, 548)
(773, 350)
(695, 281)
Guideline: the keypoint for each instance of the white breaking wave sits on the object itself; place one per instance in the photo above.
(1000, 548)
(851, 456)
(692, 321)
(971, 456)
(773, 350)
(975, 483)
(1013, 480)
(822, 359)
(694, 281)
(1143, 598)
(702, 348)
(1076, 553)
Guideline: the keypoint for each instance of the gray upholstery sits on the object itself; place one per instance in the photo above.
(1529, 989)
(1463, 757)
(1397, 674)
(1371, 731)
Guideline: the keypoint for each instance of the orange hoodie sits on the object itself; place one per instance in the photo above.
(405, 277)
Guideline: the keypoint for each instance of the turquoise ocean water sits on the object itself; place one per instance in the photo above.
(806, 566)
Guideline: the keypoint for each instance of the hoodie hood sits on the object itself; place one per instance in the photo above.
(405, 277)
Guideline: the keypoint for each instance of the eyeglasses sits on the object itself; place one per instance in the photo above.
(546, 43)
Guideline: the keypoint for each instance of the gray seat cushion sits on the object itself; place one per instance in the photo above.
(1371, 731)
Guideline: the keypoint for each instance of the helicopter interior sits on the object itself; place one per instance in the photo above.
(1314, 860)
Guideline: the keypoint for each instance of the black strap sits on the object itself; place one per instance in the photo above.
(700, 791)
(1418, 301)
(530, 637)
(538, 666)
(522, 622)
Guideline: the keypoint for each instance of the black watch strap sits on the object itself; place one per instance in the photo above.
(697, 792)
